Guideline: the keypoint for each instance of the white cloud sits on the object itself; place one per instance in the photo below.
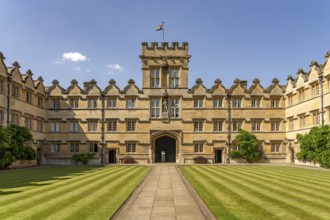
(78, 68)
(88, 70)
(115, 68)
(74, 56)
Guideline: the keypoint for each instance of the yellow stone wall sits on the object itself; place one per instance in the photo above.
(148, 129)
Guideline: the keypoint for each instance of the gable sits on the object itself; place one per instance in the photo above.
(277, 90)
(75, 91)
(300, 81)
(313, 75)
(257, 89)
(113, 91)
(95, 91)
(238, 90)
(200, 90)
(220, 90)
(29, 83)
(56, 91)
(131, 90)
(16, 76)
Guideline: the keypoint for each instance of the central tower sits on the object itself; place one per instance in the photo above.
(164, 66)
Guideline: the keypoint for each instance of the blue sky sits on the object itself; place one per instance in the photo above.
(101, 40)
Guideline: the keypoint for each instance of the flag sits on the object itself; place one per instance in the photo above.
(159, 27)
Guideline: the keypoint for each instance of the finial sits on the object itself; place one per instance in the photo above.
(29, 72)
(112, 81)
(275, 80)
(313, 63)
(74, 82)
(300, 70)
(2, 56)
(199, 81)
(131, 81)
(217, 81)
(256, 80)
(237, 80)
(40, 79)
(55, 82)
(327, 54)
(289, 77)
(16, 64)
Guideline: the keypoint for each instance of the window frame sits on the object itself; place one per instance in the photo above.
(131, 125)
(155, 77)
(174, 108)
(131, 103)
(112, 125)
(198, 148)
(155, 106)
(111, 102)
(174, 77)
(55, 126)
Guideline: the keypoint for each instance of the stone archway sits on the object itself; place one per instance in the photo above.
(165, 149)
(168, 138)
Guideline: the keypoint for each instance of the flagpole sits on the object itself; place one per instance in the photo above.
(163, 32)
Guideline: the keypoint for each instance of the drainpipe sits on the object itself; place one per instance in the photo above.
(102, 132)
(8, 100)
(322, 104)
(229, 124)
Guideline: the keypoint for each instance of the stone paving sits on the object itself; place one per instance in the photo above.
(163, 195)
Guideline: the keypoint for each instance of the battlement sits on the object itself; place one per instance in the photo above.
(165, 46)
(165, 49)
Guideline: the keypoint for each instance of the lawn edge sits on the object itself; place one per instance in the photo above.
(129, 201)
(200, 203)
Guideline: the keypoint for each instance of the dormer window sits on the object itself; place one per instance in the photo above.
(28, 97)
(198, 103)
(131, 103)
(112, 102)
(74, 103)
(92, 103)
(1, 86)
(315, 90)
(15, 92)
(154, 77)
(56, 103)
(237, 102)
(174, 78)
(255, 103)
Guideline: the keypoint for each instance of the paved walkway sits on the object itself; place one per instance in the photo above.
(163, 195)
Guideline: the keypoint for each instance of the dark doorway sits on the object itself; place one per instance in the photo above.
(39, 156)
(112, 156)
(165, 150)
(218, 156)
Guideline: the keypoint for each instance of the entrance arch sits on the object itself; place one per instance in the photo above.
(165, 149)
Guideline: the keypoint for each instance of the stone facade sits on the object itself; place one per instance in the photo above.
(165, 121)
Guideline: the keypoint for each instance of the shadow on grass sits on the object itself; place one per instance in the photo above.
(39, 176)
(8, 192)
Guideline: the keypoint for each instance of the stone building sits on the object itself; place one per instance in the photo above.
(164, 121)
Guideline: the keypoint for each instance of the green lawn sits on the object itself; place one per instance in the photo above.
(63, 192)
(262, 192)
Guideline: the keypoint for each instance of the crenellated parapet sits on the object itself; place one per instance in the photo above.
(165, 46)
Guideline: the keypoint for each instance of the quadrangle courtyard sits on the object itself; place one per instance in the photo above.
(229, 192)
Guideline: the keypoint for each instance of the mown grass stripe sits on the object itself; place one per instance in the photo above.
(30, 193)
(307, 201)
(262, 191)
(257, 207)
(75, 203)
(316, 175)
(302, 179)
(217, 200)
(294, 186)
(105, 204)
(253, 193)
(39, 202)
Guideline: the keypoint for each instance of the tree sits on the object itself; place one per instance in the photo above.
(19, 139)
(248, 147)
(6, 158)
(315, 146)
